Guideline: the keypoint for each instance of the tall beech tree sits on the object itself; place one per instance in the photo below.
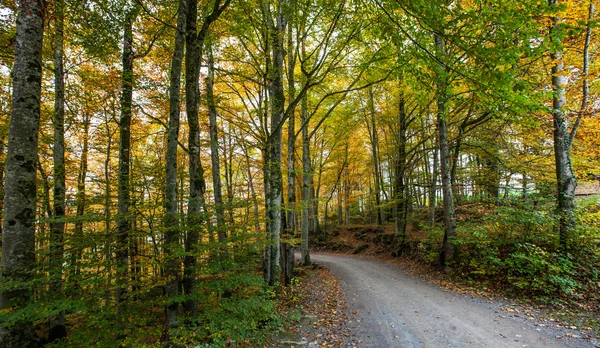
(18, 234)
(194, 40)
(56, 326)
(123, 216)
(276, 24)
(565, 177)
(171, 224)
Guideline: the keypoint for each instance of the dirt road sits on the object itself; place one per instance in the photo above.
(388, 308)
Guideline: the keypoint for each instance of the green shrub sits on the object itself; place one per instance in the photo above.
(532, 269)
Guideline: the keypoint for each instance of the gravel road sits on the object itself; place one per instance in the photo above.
(389, 308)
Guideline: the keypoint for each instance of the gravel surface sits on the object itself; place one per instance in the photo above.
(389, 308)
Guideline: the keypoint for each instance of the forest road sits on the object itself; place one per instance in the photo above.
(389, 308)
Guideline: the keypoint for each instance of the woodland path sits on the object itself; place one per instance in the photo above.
(389, 308)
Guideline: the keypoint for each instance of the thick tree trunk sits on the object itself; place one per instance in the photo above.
(123, 214)
(565, 177)
(275, 138)
(172, 234)
(18, 235)
(56, 327)
(449, 250)
(193, 57)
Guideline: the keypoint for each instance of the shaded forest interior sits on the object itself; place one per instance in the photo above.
(162, 160)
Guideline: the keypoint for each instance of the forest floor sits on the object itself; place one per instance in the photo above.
(314, 309)
(562, 325)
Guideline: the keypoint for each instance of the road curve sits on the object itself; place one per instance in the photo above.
(389, 308)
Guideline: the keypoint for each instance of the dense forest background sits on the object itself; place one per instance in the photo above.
(162, 159)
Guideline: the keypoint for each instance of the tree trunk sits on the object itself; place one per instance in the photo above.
(454, 166)
(287, 249)
(56, 327)
(123, 215)
(214, 150)
(449, 250)
(80, 200)
(400, 180)
(251, 187)
(565, 178)
(107, 212)
(275, 139)
(306, 184)
(172, 234)
(347, 191)
(18, 235)
(2, 167)
(374, 153)
(433, 187)
(193, 58)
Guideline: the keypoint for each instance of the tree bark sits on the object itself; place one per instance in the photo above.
(433, 186)
(56, 329)
(107, 212)
(123, 196)
(374, 153)
(172, 234)
(287, 250)
(306, 185)
(449, 250)
(214, 150)
(193, 57)
(275, 141)
(80, 200)
(566, 181)
(400, 180)
(18, 235)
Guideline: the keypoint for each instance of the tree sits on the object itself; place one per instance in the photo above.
(565, 177)
(172, 234)
(57, 328)
(18, 235)
(123, 216)
(193, 57)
